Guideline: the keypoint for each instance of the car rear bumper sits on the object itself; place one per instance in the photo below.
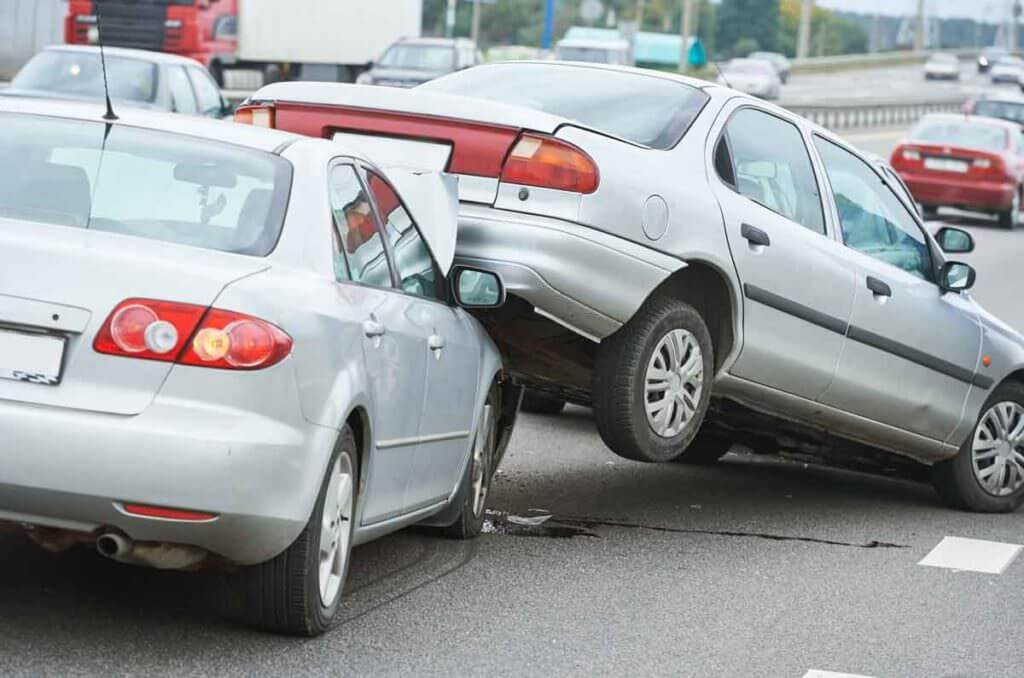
(74, 470)
(585, 279)
(955, 192)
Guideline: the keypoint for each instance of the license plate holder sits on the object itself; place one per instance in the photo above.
(946, 165)
(31, 357)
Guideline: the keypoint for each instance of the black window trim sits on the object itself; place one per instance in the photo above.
(934, 263)
(365, 170)
(810, 161)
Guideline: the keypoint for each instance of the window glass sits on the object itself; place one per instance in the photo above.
(873, 219)
(206, 92)
(80, 74)
(419, 57)
(359, 250)
(182, 99)
(416, 269)
(773, 167)
(143, 183)
(960, 132)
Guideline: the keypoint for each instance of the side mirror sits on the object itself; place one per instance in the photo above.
(956, 276)
(954, 240)
(473, 288)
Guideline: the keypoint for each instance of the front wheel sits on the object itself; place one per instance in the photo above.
(652, 382)
(298, 592)
(477, 482)
(987, 475)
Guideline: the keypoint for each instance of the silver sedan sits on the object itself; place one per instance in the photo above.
(222, 346)
(703, 267)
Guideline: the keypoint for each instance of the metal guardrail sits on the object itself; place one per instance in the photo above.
(876, 60)
(846, 116)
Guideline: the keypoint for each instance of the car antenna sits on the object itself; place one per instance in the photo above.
(721, 74)
(109, 116)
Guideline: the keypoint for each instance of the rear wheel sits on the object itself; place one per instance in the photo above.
(298, 592)
(1010, 218)
(652, 382)
(706, 448)
(987, 475)
(538, 403)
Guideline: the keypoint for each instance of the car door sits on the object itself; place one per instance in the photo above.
(451, 351)
(392, 347)
(797, 285)
(912, 351)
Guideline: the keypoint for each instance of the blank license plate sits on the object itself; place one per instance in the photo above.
(35, 358)
(946, 165)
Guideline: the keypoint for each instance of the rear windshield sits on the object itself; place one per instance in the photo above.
(80, 74)
(1007, 110)
(751, 66)
(647, 110)
(960, 133)
(142, 183)
(419, 57)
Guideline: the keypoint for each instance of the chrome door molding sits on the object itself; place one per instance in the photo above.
(416, 440)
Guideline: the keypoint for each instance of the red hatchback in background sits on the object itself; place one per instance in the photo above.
(968, 162)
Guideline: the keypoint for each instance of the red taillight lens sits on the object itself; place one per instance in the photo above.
(547, 162)
(191, 335)
(168, 513)
(257, 115)
(148, 328)
(235, 341)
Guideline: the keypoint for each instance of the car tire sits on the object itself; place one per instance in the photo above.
(287, 593)
(706, 448)
(625, 362)
(1010, 218)
(538, 403)
(476, 484)
(960, 480)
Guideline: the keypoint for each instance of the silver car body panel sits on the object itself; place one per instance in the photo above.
(251, 447)
(808, 345)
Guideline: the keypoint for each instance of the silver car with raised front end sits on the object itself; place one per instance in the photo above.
(227, 346)
(677, 252)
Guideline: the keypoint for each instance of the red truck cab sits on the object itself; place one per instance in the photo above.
(204, 30)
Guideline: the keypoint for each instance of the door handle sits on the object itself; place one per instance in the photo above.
(373, 329)
(879, 288)
(436, 344)
(754, 235)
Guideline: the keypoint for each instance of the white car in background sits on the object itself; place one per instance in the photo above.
(1008, 69)
(752, 76)
(942, 66)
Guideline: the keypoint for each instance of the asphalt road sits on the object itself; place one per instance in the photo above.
(754, 567)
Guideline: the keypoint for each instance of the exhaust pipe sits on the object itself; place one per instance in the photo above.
(113, 546)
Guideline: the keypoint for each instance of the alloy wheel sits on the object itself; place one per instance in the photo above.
(335, 530)
(673, 383)
(996, 452)
(481, 460)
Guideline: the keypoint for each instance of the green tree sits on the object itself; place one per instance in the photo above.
(755, 20)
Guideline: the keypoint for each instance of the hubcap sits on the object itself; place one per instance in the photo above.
(335, 529)
(996, 451)
(674, 380)
(481, 456)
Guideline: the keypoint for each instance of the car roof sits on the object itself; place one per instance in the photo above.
(256, 138)
(145, 55)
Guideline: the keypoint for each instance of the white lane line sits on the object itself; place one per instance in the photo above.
(973, 555)
(816, 673)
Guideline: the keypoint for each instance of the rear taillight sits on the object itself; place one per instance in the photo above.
(257, 115)
(982, 163)
(547, 162)
(911, 154)
(191, 335)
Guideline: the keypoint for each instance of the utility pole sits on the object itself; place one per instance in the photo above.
(919, 27)
(803, 45)
(1015, 25)
(639, 15)
(549, 25)
(475, 33)
(684, 33)
(449, 19)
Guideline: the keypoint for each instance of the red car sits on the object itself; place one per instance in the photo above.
(963, 161)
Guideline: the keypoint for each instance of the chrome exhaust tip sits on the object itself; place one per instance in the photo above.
(113, 545)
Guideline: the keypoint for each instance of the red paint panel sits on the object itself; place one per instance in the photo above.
(477, 149)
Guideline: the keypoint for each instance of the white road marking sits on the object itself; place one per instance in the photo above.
(973, 555)
(815, 673)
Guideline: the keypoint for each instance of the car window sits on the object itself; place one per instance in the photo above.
(417, 272)
(182, 98)
(872, 218)
(358, 247)
(960, 132)
(80, 74)
(772, 167)
(207, 93)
